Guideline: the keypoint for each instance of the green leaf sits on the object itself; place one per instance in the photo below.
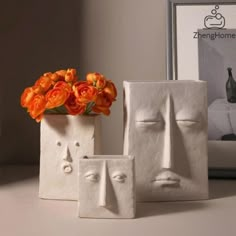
(57, 110)
(89, 108)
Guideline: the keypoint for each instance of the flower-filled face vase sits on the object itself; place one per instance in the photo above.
(166, 131)
(65, 139)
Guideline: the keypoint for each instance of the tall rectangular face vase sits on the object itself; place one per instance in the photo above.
(166, 131)
(64, 140)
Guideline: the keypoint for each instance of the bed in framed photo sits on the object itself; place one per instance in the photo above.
(201, 45)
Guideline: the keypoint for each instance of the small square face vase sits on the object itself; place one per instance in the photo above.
(166, 131)
(107, 187)
(64, 140)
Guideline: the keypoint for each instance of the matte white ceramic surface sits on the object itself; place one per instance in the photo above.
(107, 187)
(65, 139)
(166, 131)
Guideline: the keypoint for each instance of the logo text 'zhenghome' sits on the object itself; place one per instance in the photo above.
(214, 35)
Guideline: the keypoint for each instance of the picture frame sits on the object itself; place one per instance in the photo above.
(187, 21)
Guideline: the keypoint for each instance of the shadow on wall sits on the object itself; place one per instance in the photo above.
(12, 174)
(36, 37)
(107, 36)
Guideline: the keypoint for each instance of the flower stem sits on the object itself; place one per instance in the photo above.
(89, 108)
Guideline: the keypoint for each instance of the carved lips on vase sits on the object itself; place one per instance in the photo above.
(166, 179)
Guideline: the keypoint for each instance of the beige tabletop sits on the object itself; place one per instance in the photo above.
(22, 213)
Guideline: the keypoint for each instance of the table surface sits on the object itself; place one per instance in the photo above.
(23, 213)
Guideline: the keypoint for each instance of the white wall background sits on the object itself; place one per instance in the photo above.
(125, 40)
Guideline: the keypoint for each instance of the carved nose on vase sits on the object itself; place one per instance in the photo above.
(104, 196)
(168, 149)
(67, 159)
(67, 155)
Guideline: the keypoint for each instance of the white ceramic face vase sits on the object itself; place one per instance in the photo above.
(65, 139)
(166, 131)
(107, 187)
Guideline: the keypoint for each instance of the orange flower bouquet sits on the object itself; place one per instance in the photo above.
(62, 92)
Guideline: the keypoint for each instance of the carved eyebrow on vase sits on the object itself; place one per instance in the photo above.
(148, 116)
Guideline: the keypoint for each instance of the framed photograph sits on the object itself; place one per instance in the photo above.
(201, 45)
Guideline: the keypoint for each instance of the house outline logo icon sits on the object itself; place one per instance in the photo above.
(214, 21)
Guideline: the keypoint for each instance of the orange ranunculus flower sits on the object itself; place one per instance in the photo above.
(73, 107)
(37, 107)
(101, 83)
(27, 96)
(70, 75)
(39, 118)
(61, 74)
(62, 88)
(105, 110)
(92, 78)
(56, 97)
(110, 89)
(45, 83)
(53, 76)
(63, 85)
(47, 74)
(84, 92)
(38, 89)
(103, 100)
(96, 79)
(99, 109)
(103, 103)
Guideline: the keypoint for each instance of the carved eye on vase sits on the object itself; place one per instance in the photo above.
(58, 143)
(77, 144)
(92, 176)
(188, 122)
(150, 123)
(119, 177)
